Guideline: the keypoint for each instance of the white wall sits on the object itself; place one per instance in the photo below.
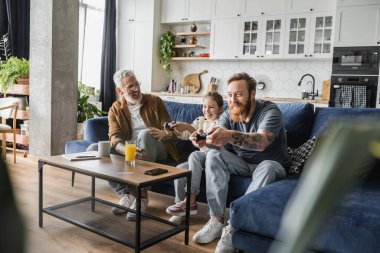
(281, 77)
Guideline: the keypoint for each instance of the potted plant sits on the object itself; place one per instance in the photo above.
(86, 111)
(11, 70)
(167, 42)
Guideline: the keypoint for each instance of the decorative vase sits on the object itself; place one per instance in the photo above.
(193, 40)
(193, 28)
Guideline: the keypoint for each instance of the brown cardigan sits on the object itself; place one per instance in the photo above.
(152, 111)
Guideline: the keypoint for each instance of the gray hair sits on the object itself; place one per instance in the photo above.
(120, 74)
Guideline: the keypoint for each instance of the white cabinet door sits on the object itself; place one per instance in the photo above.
(259, 7)
(225, 39)
(273, 34)
(356, 2)
(297, 36)
(250, 42)
(227, 9)
(302, 6)
(136, 10)
(173, 11)
(144, 10)
(322, 35)
(126, 45)
(199, 10)
(143, 51)
(358, 26)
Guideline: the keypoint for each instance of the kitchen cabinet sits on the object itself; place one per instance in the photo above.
(174, 11)
(309, 35)
(225, 38)
(227, 9)
(262, 37)
(252, 8)
(137, 44)
(138, 10)
(358, 26)
(340, 3)
(302, 6)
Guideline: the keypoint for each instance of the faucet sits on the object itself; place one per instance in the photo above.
(312, 94)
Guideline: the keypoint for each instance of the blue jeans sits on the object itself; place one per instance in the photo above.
(196, 164)
(153, 148)
(220, 164)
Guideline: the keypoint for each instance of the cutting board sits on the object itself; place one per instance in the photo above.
(326, 90)
(194, 80)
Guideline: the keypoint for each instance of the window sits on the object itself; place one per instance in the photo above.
(91, 19)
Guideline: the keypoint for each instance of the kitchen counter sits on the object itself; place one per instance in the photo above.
(313, 101)
(197, 96)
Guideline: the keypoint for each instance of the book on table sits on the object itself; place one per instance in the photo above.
(89, 155)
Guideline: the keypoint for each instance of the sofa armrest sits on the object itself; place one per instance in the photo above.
(76, 146)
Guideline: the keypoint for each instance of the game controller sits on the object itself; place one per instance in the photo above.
(199, 137)
(169, 125)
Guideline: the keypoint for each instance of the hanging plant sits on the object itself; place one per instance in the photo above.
(167, 42)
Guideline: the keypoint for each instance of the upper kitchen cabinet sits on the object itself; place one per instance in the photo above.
(259, 7)
(309, 35)
(303, 6)
(175, 11)
(227, 9)
(358, 26)
(262, 37)
(356, 2)
(137, 10)
(225, 38)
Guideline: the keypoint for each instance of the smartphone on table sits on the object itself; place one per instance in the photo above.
(156, 171)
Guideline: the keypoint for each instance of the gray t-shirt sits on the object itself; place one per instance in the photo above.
(268, 117)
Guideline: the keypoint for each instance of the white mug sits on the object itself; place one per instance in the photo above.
(103, 148)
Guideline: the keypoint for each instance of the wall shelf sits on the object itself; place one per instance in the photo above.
(193, 33)
(188, 46)
(190, 58)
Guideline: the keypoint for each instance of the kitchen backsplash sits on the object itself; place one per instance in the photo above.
(280, 77)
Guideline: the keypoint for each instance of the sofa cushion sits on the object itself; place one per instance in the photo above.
(183, 112)
(354, 226)
(298, 121)
(96, 129)
(324, 116)
(298, 156)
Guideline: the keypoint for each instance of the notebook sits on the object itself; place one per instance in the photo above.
(90, 155)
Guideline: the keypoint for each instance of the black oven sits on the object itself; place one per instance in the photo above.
(358, 60)
(353, 91)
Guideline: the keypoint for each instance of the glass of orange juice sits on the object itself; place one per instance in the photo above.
(130, 152)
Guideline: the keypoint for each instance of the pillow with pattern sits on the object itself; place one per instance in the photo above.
(298, 156)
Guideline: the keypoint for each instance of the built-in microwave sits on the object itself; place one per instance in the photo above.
(358, 60)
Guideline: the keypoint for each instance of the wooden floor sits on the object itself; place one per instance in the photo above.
(60, 237)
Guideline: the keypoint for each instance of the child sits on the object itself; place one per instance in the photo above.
(212, 108)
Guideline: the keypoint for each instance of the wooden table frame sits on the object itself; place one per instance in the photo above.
(174, 173)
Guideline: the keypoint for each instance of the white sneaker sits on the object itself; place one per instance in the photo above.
(177, 219)
(209, 232)
(225, 243)
(144, 205)
(126, 200)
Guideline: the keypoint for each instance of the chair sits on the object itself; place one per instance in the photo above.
(8, 109)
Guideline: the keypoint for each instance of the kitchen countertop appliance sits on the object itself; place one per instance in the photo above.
(355, 77)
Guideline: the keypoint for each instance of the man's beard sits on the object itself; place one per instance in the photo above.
(238, 111)
(132, 100)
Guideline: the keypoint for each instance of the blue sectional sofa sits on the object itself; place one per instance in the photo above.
(257, 215)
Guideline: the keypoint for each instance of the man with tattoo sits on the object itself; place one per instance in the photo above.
(249, 141)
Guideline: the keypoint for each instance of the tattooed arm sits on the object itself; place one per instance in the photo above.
(258, 141)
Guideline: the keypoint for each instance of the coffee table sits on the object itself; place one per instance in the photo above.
(94, 214)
